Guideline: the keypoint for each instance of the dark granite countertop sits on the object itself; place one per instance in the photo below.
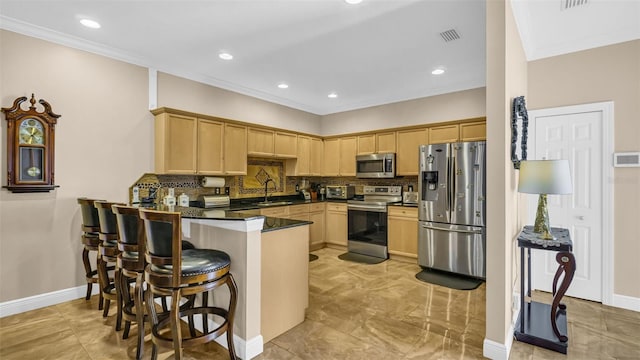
(234, 213)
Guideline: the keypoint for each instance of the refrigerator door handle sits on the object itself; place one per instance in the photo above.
(452, 230)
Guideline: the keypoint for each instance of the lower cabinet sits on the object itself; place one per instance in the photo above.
(316, 230)
(403, 231)
(336, 224)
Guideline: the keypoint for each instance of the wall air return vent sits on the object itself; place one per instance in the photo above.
(569, 4)
(450, 35)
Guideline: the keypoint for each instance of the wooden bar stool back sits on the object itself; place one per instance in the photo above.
(90, 242)
(179, 273)
(107, 258)
(131, 263)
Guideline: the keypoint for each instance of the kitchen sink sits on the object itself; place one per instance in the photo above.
(273, 203)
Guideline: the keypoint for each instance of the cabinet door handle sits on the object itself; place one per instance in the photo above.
(580, 217)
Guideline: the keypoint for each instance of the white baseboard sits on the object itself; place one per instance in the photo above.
(626, 302)
(494, 350)
(498, 351)
(245, 349)
(43, 300)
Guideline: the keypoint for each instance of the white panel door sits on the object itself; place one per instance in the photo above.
(575, 137)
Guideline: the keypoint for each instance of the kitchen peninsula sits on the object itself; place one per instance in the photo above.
(269, 261)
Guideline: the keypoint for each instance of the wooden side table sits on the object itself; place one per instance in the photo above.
(542, 324)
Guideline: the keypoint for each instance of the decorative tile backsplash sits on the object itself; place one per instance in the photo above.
(252, 185)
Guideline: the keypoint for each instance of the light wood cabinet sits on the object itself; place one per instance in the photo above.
(260, 142)
(336, 224)
(175, 144)
(285, 145)
(210, 145)
(276, 211)
(348, 149)
(407, 156)
(284, 276)
(474, 131)
(403, 231)
(331, 157)
(366, 144)
(298, 212)
(316, 230)
(386, 142)
(376, 143)
(235, 149)
(315, 160)
(444, 134)
(308, 161)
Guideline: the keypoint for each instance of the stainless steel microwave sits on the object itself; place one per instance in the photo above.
(376, 166)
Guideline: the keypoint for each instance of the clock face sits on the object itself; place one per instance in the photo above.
(31, 132)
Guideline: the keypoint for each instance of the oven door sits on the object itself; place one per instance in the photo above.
(367, 230)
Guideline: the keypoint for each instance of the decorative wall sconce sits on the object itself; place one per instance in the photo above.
(519, 131)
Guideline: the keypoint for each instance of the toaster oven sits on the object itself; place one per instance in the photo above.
(343, 192)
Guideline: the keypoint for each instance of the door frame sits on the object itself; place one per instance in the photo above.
(607, 183)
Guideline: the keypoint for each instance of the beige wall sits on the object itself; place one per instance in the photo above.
(610, 73)
(506, 79)
(103, 144)
(183, 94)
(454, 106)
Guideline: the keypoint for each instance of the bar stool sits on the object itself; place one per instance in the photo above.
(107, 257)
(177, 273)
(131, 263)
(90, 242)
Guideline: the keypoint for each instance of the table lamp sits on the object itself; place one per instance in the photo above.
(544, 177)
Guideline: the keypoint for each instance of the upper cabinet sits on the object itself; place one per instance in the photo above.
(210, 145)
(348, 148)
(175, 144)
(260, 142)
(331, 157)
(443, 134)
(235, 149)
(186, 144)
(473, 131)
(269, 143)
(386, 142)
(407, 155)
(309, 158)
(366, 144)
(376, 143)
(286, 145)
(316, 156)
(340, 156)
(467, 131)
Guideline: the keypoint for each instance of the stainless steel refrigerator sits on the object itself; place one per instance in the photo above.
(452, 208)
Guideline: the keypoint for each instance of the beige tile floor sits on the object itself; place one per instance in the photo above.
(355, 312)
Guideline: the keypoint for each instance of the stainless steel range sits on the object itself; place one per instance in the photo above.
(367, 220)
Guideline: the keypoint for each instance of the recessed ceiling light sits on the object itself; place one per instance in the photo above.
(353, 2)
(90, 23)
(225, 56)
(283, 86)
(438, 72)
(332, 95)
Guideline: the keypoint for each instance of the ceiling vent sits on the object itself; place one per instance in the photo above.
(569, 4)
(451, 35)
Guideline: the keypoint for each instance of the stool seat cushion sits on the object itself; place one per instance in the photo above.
(198, 261)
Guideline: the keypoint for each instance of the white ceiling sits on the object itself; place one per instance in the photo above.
(377, 52)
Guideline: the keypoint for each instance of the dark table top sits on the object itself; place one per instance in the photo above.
(529, 239)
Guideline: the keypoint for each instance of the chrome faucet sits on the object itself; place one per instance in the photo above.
(266, 183)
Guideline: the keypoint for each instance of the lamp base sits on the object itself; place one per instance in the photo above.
(541, 226)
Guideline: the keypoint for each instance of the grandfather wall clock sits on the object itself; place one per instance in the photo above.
(30, 147)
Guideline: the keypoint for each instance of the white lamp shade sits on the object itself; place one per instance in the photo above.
(545, 177)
